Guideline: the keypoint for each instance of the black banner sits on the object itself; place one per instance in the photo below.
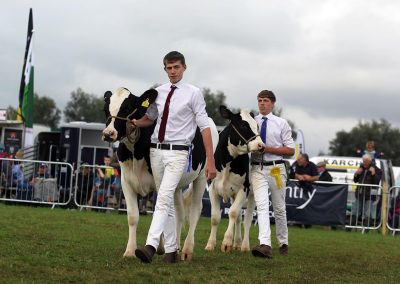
(322, 204)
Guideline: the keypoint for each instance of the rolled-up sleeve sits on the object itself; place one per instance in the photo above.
(152, 112)
(199, 109)
(287, 139)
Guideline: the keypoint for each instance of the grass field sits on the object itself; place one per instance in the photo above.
(39, 245)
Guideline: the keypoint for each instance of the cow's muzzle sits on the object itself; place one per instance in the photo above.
(109, 136)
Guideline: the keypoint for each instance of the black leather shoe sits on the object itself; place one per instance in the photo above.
(262, 251)
(171, 257)
(145, 254)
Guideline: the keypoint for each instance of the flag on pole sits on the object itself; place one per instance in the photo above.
(300, 147)
(25, 108)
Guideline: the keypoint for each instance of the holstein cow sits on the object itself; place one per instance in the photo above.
(236, 141)
(134, 158)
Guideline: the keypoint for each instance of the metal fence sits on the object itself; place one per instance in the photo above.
(56, 183)
(98, 187)
(364, 204)
(33, 181)
(393, 209)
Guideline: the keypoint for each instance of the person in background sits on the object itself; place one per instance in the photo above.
(42, 172)
(24, 190)
(324, 175)
(362, 208)
(370, 150)
(85, 183)
(306, 173)
(103, 181)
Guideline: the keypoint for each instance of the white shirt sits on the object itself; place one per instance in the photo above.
(187, 110)
(279, 134)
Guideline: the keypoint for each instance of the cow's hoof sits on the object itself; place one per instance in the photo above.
(186, 256)
(226, 248)
(246, 249)
(236, 247)
(129, 253)
(209, 247)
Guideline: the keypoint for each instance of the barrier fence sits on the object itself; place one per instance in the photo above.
(98, 187)
(56, 183)
(393, 209)
(33, 181)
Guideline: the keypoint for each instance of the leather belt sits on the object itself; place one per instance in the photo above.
(165, 146)
(268, 163)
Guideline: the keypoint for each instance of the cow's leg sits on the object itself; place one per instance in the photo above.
(198, 187)
(215, 216)
(234, 212)
(237, 238)
(248, 218)
(133, 217)
(179, 215)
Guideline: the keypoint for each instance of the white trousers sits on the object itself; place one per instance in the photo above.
(262, 182)
(168, 167)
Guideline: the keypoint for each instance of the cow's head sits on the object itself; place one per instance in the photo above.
(122, 106)
(243, 137)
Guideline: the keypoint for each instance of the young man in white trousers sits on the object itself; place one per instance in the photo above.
(178, 110)
(268, 174)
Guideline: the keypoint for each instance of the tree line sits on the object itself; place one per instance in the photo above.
(89, 107)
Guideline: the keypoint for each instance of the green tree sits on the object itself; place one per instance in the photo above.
(11, 113)
(387, 140)
(46, 111)
(84, 107)
(213, 101)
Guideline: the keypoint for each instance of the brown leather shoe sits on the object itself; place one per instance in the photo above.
(171, 257)
(145, 254)
(284, 250)
(262, 251)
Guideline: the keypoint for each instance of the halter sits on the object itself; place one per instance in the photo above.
(244, 139)
(121, 118)
(128, 131)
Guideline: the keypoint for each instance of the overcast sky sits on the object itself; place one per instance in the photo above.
(331, 63)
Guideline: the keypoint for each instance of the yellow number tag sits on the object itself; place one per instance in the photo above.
(146, 103)
(276, 173)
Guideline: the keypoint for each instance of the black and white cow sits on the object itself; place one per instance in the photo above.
(236, 141)
(134, 159)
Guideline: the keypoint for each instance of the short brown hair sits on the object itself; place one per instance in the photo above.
(174, 56)
(267, 94)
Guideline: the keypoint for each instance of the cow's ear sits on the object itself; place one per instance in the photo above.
(148, 98)
(107, 95)
(225, 112)
(252, 114)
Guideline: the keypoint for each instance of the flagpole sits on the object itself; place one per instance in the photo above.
(25, 108)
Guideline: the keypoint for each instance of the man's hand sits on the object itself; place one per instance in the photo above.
(130, 126)
(372, 170)
(359, 171)
(210, 171)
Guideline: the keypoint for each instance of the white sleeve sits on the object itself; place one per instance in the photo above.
(199, 109)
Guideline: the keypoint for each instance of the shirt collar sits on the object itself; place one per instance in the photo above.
(178, 84)
(269, 116)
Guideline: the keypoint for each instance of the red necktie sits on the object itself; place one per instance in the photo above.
(163, 125)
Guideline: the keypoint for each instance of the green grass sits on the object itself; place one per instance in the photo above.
(39, 245)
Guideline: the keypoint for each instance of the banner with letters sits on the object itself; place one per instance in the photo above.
(322, 204)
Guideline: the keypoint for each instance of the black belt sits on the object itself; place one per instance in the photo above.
(268, 163)
(169, 146)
